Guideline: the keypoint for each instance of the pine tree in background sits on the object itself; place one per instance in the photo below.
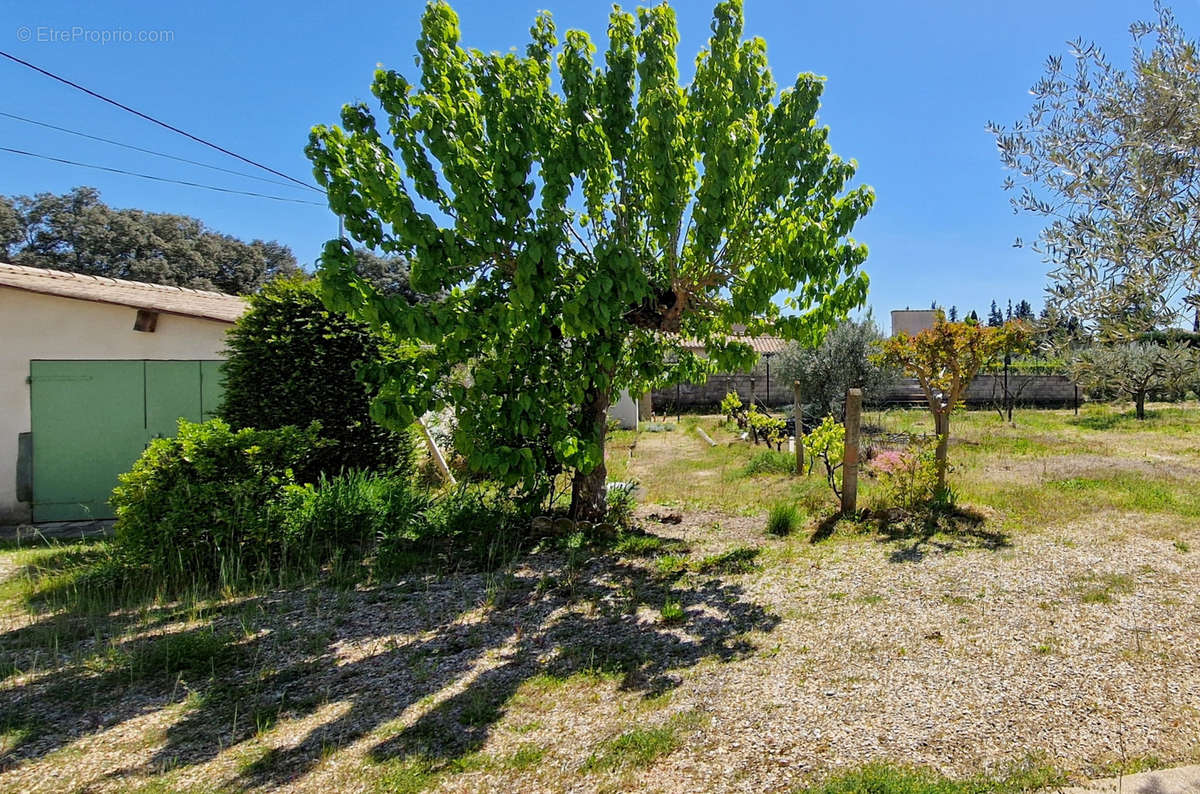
(973, 317)
(953, 314)
(995, 318)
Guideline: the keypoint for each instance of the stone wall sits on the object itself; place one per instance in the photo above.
(1030, 390)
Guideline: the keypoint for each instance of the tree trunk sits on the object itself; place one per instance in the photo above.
(587, 490)
(1139, 400)
(941, 424)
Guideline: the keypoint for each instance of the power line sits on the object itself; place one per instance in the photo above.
(153, 120)
(145, 151)
(160, 178)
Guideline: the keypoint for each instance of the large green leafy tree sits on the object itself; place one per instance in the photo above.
(79, 233)
(577, 223)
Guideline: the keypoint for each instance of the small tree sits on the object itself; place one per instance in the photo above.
(944, 359)
(1134, 370)
(292, 362)
(842, 361)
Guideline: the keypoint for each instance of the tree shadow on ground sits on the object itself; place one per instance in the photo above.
(939, 532)
(1111, 420)
(825, 529)
(918, 534)
(428, 665)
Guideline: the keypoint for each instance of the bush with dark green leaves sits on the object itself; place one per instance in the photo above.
(293, 362)
(204, 505)
(217, 506)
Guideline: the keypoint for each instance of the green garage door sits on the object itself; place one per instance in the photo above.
(92, 419)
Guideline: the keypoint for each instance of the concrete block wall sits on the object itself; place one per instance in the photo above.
(1031, 390)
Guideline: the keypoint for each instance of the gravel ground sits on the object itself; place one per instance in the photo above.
(1079, 646)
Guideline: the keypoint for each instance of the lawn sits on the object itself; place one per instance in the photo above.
(1049, 630)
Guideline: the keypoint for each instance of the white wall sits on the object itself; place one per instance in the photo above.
(36, 326)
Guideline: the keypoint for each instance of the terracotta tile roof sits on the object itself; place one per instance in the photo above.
(763, 345)
(135, 294)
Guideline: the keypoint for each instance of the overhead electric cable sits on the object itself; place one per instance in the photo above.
(160, 178)
(153, 120)
(130, 146)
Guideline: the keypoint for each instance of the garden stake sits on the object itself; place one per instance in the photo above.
(850, 454)
(798, 421)
(436, 453)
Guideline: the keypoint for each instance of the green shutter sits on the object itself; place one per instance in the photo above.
(89, 420)
(172, 393)
(92, 419)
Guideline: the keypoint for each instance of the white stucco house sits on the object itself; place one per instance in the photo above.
(90, 369)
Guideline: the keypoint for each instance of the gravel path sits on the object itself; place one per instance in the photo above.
(1079, 646)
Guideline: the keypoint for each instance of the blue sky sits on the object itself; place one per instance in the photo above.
(910, 88)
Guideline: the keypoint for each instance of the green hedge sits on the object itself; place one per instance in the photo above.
(292, 362)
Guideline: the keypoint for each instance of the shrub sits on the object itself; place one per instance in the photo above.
(767, 428)
(908, 479)
(827, 443)
(194, 504)
(470, 525)
(770, 461)
(783, 519)
(622, 501)
(731, 406)
(348, 513)
(841, 362)
(292, 362)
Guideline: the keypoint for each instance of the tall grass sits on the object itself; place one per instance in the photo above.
(784, 519)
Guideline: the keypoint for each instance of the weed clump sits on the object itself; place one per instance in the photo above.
(783, 519)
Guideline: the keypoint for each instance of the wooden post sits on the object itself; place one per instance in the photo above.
(798, 420)
(1007, 398)
(752, 395)
(436, 453)
(850, 458)
(1077, 400)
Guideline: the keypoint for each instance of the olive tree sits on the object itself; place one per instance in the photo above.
(1135, 370)
(841, 362)
(578, 222)
(1109, 158)
(944, 359)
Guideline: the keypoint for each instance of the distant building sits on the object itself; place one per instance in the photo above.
(91, 369)
(912, 321)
